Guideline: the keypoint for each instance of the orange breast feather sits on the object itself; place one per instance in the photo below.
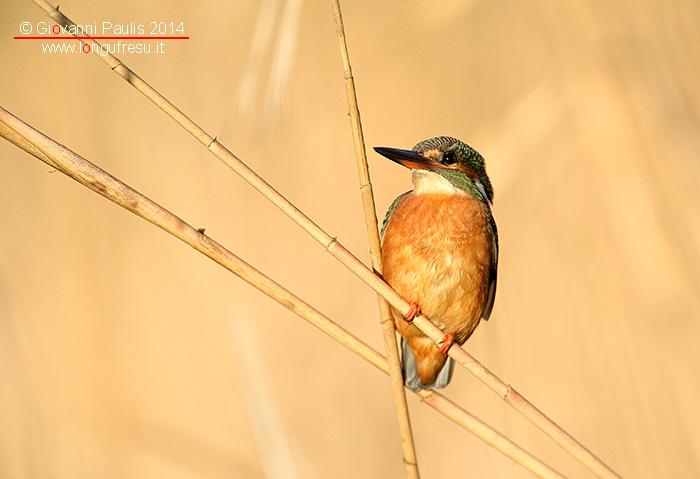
(437, 252)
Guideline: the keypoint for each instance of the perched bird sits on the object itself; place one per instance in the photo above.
(440, 252)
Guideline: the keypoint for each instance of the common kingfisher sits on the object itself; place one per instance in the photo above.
(440, 252)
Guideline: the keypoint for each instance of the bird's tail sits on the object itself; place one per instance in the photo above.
(410, 371)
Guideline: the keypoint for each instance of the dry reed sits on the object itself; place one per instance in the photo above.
(370, 212)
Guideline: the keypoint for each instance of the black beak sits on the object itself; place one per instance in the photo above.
(408, 158)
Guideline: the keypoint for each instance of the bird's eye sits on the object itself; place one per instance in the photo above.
(449, 158)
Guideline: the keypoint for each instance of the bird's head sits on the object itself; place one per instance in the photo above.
(450, 158)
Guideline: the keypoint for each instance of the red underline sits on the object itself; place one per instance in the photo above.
(102, 38)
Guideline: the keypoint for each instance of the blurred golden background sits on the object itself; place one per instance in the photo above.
(125, 354)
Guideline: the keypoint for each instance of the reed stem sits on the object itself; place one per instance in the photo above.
(388, 328)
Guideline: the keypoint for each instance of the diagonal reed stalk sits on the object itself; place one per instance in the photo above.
(388, 329)
(338, 251)
(61, 158)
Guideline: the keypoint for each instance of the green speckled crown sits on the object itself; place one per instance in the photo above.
(442, 143)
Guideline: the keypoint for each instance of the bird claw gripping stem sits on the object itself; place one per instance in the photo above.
(412, 313)
(446, 343)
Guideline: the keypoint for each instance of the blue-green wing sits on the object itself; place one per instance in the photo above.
(494, 270)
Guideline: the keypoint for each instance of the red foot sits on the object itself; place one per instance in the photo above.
(446, 343)
(412, 313)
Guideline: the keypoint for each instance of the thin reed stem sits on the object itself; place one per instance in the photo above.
(388, 328)
(337, 250)
(78, 168)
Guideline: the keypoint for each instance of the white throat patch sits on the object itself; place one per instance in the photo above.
(427, 182)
